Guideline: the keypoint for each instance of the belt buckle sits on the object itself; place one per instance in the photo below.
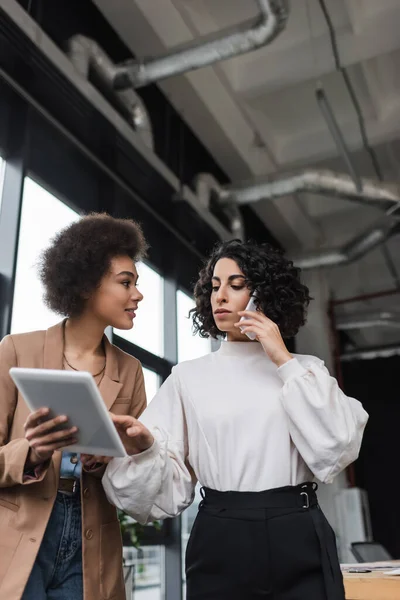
(307, 500)
(74, 486)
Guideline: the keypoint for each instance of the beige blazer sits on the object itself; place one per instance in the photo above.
(25, 507)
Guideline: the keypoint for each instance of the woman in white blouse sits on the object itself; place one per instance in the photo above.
(253, 424)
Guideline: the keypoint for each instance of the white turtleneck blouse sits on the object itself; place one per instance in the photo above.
(234, 421)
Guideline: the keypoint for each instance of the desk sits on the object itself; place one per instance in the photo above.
(371, 586)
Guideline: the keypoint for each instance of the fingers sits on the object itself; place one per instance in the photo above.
(52, 438)
(256, 315)
(34, 417)
(88, 460)
(45, 450)
(46, 427)
(123, 421)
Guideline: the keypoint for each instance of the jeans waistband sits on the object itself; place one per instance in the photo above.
(298, 496)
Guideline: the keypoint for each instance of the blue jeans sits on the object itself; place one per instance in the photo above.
(57, 571)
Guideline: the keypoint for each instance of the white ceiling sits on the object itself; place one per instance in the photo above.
(257, 113)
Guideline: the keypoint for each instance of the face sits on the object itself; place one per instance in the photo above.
(229, 295)
(116, 300)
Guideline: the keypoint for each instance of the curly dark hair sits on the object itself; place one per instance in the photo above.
(72, 267)
(280, 294)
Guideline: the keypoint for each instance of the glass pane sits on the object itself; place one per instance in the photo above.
(189, 346)
(151, 383)
(188, 518)
(147, 331)
(144, 574)
(43, 215)
(1, 178)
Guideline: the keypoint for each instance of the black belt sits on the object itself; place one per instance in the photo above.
(298, 496)
(69, 486)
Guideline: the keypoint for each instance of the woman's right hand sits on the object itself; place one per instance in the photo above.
(134, 435)
(42, 438)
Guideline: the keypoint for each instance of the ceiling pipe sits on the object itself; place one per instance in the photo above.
(329, 116)
(208, 190)
(371, 353)
(207, 50)
(368, 320)
(86, 55)
(322, 182)
(353, 250)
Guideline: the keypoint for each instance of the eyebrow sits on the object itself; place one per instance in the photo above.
(128, 274)
(230, 278)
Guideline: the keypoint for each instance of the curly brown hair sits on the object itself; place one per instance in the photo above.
(280, 294)
(72, 267)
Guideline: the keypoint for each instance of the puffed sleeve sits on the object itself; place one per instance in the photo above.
(325, 425)
(159, 482)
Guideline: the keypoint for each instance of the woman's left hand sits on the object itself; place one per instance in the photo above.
(267, 333)
(89, 461)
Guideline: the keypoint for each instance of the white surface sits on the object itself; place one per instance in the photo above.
(238, 423)
(75, 395)
(189, 346)
(151, 383)
(43, 216)
(354, 518)
(393, 572)
(148, 327)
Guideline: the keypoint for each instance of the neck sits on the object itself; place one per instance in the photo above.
(237, 337)
(83, 336)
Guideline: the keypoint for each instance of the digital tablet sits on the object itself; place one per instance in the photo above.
(74, 394)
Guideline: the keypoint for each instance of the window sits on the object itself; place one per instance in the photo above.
(1, 178)
(43, 215)
(151, 383)
(148, 326)
(145, 568)
(189, 345)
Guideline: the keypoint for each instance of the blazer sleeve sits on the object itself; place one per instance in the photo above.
(13, 454)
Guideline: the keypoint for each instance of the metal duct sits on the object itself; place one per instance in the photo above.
(371, 353)
(86, 54)
(326, 183)
(367, 320)
(353, 250)
(208, 50)
(208, 188)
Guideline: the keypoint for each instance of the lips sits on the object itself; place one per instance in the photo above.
(222, 311)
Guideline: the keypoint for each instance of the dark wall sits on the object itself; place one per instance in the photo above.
(376, 384)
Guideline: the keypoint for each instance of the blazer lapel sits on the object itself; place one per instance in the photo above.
(110, 385)
(53, 359)
(54, 347)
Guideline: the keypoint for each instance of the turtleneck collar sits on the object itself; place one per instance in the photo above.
(241, 349)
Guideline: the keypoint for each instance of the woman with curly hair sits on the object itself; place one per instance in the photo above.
(253, 424)
(60, 537)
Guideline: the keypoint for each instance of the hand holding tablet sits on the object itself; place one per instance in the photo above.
(73, 394)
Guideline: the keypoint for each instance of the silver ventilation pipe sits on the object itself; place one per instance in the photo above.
(368, 320)
(85, 54)
(351, 251)
(206, 51)
(325, 183)
(207, 190)
(371, 353)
